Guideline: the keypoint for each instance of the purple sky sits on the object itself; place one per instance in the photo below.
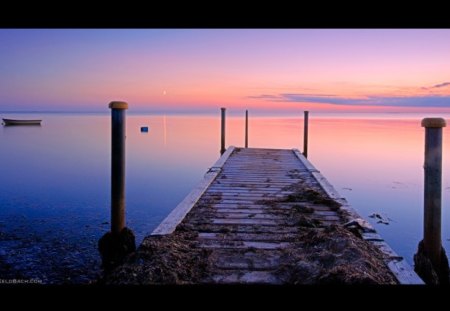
(325, 70)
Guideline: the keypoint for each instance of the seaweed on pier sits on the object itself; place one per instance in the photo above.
(313, 251)
(333, 255)
(168, 259)
(311, 195)
(310, 192)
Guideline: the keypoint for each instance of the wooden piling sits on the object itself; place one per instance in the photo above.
(430, 261)
(118, 119)
(222, 133)
(246, 128)
(305, 134)
(433, 188)
(115, 245)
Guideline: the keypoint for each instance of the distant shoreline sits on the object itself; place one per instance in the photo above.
(240, 113)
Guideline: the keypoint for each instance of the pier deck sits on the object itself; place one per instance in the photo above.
(264, 216)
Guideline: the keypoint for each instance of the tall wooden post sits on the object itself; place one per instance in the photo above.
(115, 245)
(431, 262)
(433, 188)
(222, 133)
(246, 128)
(118, 166)
(305, 134)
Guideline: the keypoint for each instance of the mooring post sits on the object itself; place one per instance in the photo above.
(430, 249)
(120, 241)
(305, 134)
(222, 134)
(118, 121)
(433, 188)
(246, 128)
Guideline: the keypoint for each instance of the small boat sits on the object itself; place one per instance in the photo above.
(21, 122)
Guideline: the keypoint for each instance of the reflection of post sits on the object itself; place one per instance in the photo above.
(222, 135)
(246, 128)
(430, 249)
(305, 134)
(117, 166)
(165, 130)
(120, 241)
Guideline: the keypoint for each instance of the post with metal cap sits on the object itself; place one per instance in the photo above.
(246, 128)
(305, 134)
(431, 253)
(222, 132)
(118, 122)
(115, 245)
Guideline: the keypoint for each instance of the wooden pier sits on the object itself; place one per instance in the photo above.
(264, 216)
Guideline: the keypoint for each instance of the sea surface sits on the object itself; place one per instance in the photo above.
(55, 178)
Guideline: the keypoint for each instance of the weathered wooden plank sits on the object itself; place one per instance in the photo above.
(267, 213)
(371, 236)
(227, 244)
(386, 249)
(328, 217)
(260, 206)
(286, 164)
(245, 196)
(248, 216)
(237, 201)
(237, 221)
(246, 183)
(270, 155)
(248, 191)
(239, 236)
(325, 213)
(259, 193)
(233, 265)
(277, 174)
(248, 261)
(404, 273)
(226, 228)
(246, 277)
(239, 210)
(254, 196)
(262, 183)
(233, 206)
(268, 170)
(244, 188)
(263, 169)
(262, 179)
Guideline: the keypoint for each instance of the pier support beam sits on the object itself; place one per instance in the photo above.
(222, 132)
(120, 241)
(246, 128)
(431, 262)
(305, 134)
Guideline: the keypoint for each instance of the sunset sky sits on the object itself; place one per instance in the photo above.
(202, 70)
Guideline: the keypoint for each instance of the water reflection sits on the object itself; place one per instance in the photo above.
(54, 179)
(165, 130)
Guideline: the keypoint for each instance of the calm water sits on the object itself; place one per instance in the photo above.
(55, 179)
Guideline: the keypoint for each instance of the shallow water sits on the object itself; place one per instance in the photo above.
(55, 179)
